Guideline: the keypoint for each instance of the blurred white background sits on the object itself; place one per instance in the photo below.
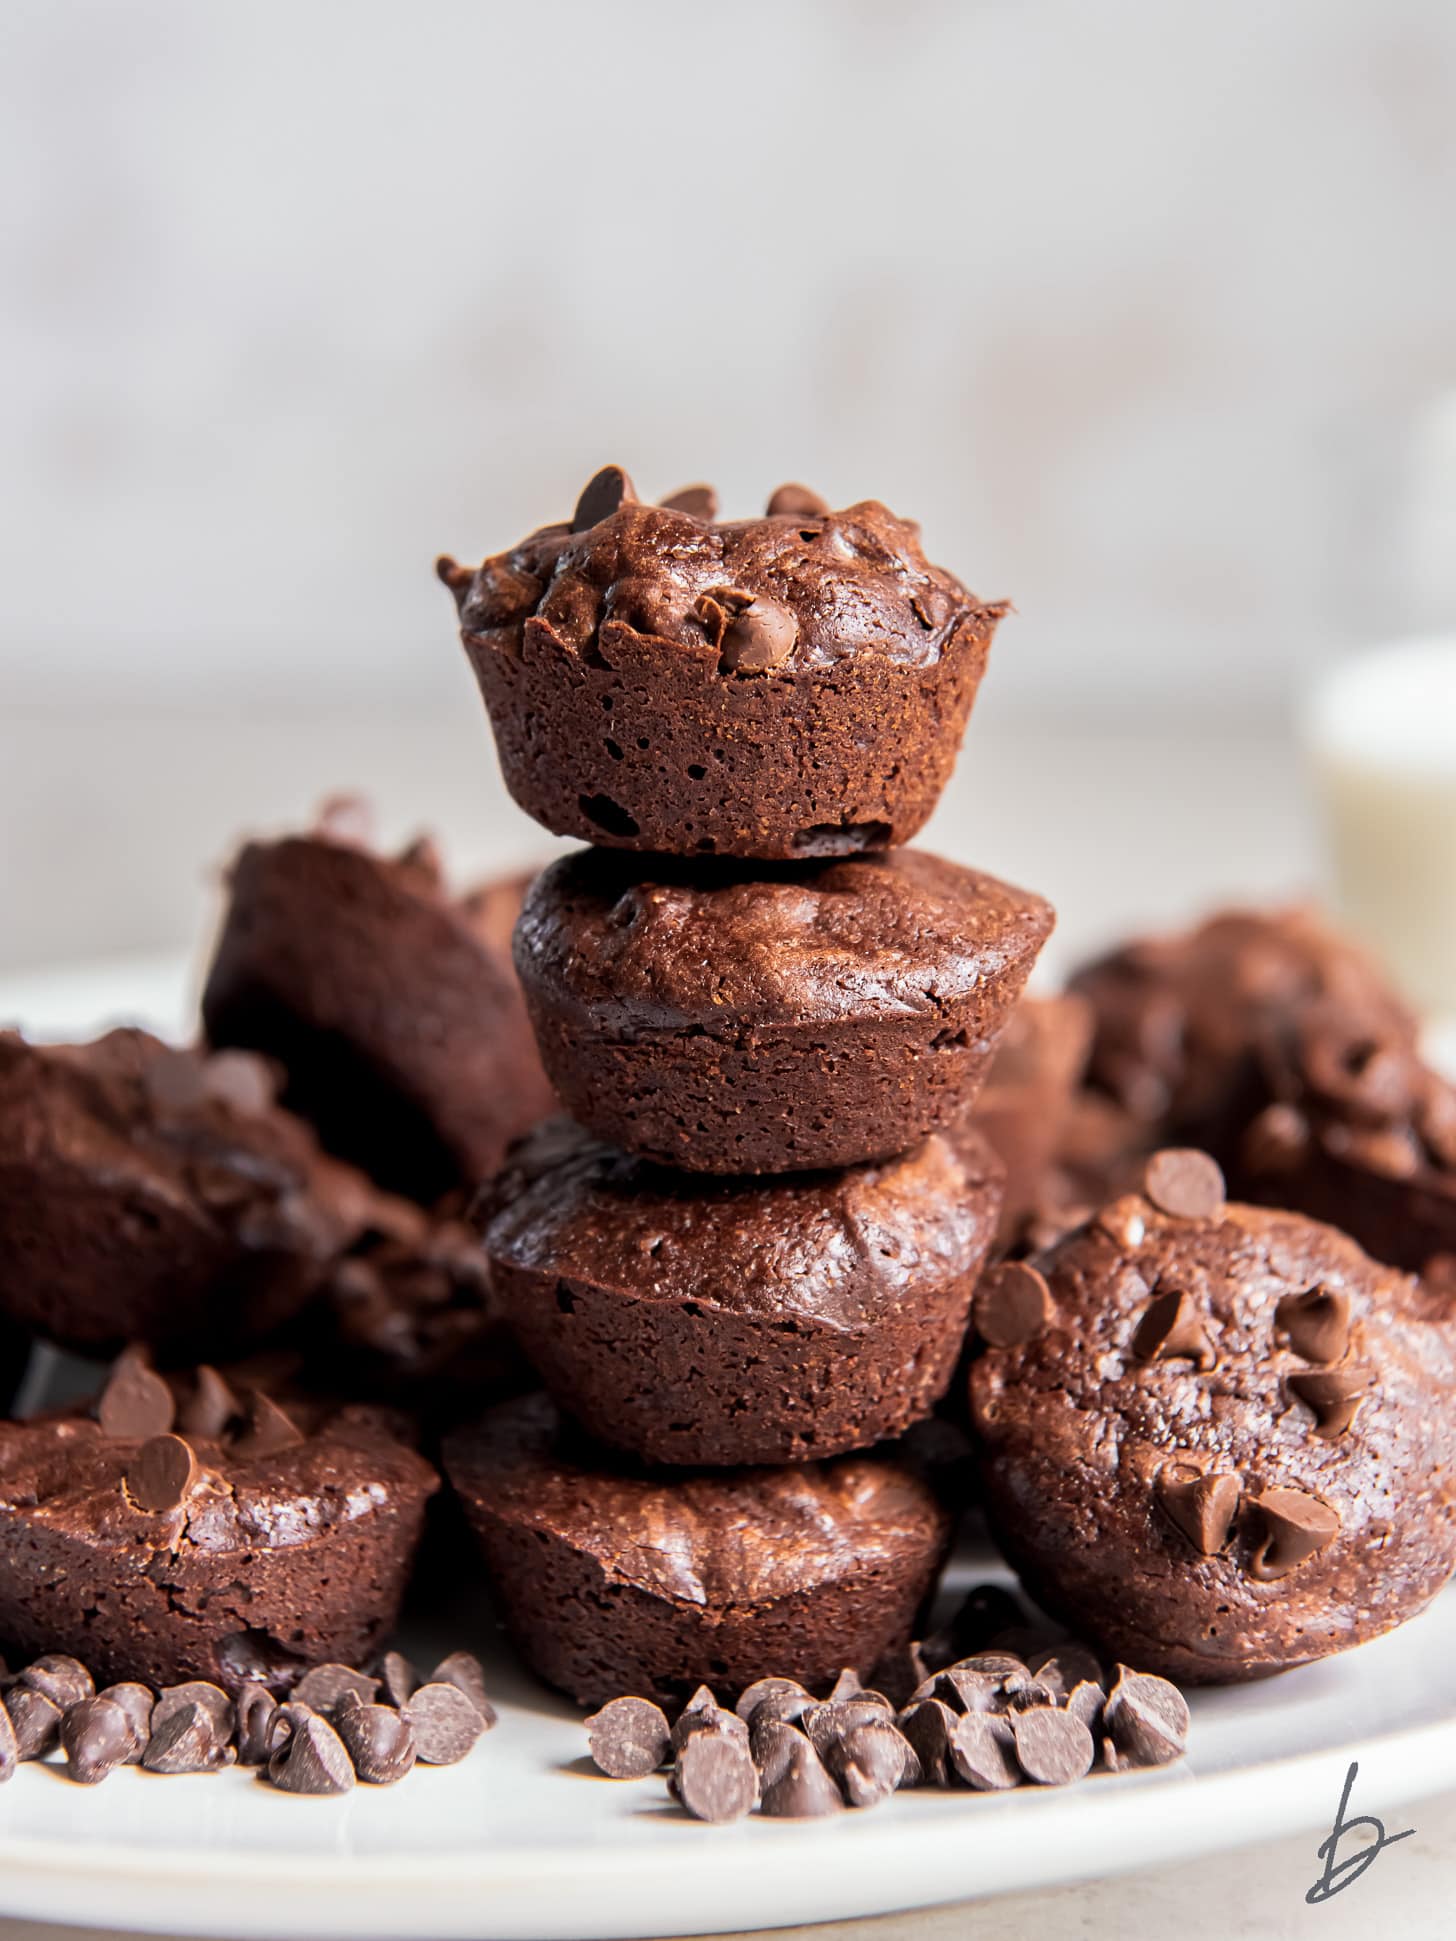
(1122, 302)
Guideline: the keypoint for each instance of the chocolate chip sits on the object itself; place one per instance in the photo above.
(772, 1743)
(136, 1402)
(790, 1699)
(137, 1702)
(932, 607)
(377, 1740)
(211, 1699)
(464, 1670)
(868, 1761)
(269, 1429)
(187, 1742)
(398, 1677)
(848, 1684)
(1296, 1525)
(174, 1081)
(762, 637)
(322, 1688)
(97, 1737)
(1172, 1330)
(9, 1750)
(703, 1713)
(1001, 1664)
(929, 1728)
(424, 858)
(1052, 1746)
(1316, 1323)
(62, 1679)
(1086, 1702)
(903, 1668)
(1184, 1182)
(697, 501)
(714, 1776)
(629, 1738)
(1146, 1719)
(35, 1721)
(256, 1712)
(1013, 1304)
(796, 502)
(801, 1787)
(1276, 1141)
(162, 1474)
(312, 1758)
(242, 1081)
(600, 498)
(980, 1751)
(210, 1408)
(831, 1720)
(1202, 1507)
(1060, 1668)
(1335, 1395)
(444, 1722)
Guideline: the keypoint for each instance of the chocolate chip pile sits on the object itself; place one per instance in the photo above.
(337, 1726)
(989, 1721)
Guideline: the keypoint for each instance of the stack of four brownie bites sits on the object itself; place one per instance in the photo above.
(752, 1249)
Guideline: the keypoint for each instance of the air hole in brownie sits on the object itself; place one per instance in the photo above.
(643, 742)
(692, 1308)
(607, 815)
(950, 1041)
(607, 703)
(697, 771)
(613, 749)
(565, 1299)
(706, 843)
(839, 839)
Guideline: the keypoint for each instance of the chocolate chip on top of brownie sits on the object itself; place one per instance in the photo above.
(655, 677)
(1215, 1437)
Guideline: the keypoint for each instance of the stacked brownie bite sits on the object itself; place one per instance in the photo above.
(746, 1262)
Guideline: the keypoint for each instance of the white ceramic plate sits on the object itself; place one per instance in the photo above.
(524, 1841)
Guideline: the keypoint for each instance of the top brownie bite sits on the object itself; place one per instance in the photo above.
(790, 686)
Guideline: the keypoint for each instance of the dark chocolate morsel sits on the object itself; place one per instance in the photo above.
(136, 1402)
(1316, 1323)
(444, 1722)
(831, 1720)
(981, 1752)
(256, 1710)
(1053, 1747)
(629, 1738)
(64, 1680)
(1172, 1330)
(398, 1677)
(869, 1761)
(97, 1737)
(697, 501)
(1335, 1395)
(1296, 1525)
(312, 1758)
(162, 1474)
(772, 1743)
(1087, 1702)
(761, 637)
(1060, 1668)
(602, 494)
(1202, 1507)
(465, 1671)
(1146, 1719)
(714, 1776)
(322, 1688)
(137, 1702)
(848, 1684)
(784, 1691)
(197, 1691)
(1013, 1304)
(35, 1721)
(929, 1726)
(9, 1750)
(703, 1713)
(211, 1407)
(801, 1788)
(796, 502)
(1185, 1182)
(187, 1741)
(378, 1741)
(269, 1431)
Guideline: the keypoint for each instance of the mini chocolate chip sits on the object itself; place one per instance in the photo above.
(312, 1758)
(377, 1740)
(137, 1702)
(1086, 1702)
(714, 1776)
(1013, 1304)
(257, 1711)
(1172, 1330)
(1053, 1747)
(868, 1760)
(136, 1402)
(981, 1752)
(9, 1750)
(197, 1691)
(323, 1687)
(796, 502)
(465, 1671)
(1202, 1507)
(785, 1691)
(445, 1723)
(1316, 1323)
(187, 1741)
(398, 1677)
(1146, 1719)
(269, 1429)
(1184, 1182)
(210, 1407)
(929, 1728)
(1296, 1525)
(162, 1474)
(760, 638)
(35, 1721)
(64, 1680)
(1335, 1395)
(97, 1737)
(629, 1738)
(801, 1787)
(601, 496)
(697, 501)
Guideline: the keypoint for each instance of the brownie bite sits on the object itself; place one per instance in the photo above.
(189, 1530)
(1025, 1102)
(390, 1003)
(783, 687)
(158, 1195)
(613, 1579)
(1178, 1018)
(1217, 1440)
(713, 1321)
(797, 1017)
